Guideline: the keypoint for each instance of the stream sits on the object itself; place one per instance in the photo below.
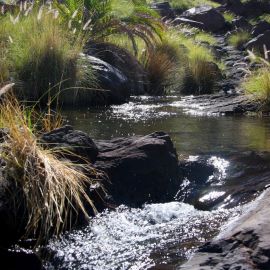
(163, 236)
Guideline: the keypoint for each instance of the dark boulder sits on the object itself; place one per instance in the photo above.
(110, 86)
(206, 18)
(13, 214)
(259, 43)
(260, 28)
(241, 23)
(74, 141)
(164, 9)
(124, 61)
(19, 260)
(141, 169)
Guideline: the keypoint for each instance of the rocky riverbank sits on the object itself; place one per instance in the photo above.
(244, 246)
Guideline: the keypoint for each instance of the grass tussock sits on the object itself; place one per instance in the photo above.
(258, 84)
(161, 67)
(239, 39)
(54, 189)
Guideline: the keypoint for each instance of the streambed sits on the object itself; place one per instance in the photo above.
(162, 234)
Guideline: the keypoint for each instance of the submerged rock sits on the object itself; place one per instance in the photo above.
(141, 169)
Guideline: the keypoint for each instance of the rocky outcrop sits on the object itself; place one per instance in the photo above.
(259, 43)
(206, 18)
(140, 169)
(244, 246)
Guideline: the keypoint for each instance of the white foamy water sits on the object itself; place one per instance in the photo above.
(137, 238)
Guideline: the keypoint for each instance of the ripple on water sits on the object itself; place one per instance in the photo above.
(137, 238)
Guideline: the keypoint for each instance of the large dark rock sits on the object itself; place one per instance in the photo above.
(258, 43)
(141, 169)
(205, 17)
(110, 86)
(164, 9)
(251, 8)
(19, 260)
(76, 142)
(260, 28)
(121, 59)
(241, 23)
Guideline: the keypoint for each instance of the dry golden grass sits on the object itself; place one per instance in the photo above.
(54, 188)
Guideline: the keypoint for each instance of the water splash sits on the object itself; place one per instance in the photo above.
(137, 238)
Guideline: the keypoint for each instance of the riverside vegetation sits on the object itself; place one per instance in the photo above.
(60, 54)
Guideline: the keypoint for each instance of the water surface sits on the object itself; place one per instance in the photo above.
(159, 234)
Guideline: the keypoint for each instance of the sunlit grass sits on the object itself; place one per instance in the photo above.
(258, 84)
(54, 189)
(239, 39)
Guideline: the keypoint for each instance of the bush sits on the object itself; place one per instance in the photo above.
(239, 39)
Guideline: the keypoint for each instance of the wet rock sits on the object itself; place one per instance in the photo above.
(141, 169)
(112, 85)
(75, 141)
(244, 246)
(260, 28)
(206, 18)
(229, 180)
(259, 42)
(19, 260)
(137, 81)
(221, 103)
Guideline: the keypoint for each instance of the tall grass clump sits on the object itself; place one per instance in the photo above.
(41, 54)
(258, 84)
(54, 189)
(239, 39)
(161, 66)
(201, 72)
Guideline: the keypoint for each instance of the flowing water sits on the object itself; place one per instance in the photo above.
(158, 234)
